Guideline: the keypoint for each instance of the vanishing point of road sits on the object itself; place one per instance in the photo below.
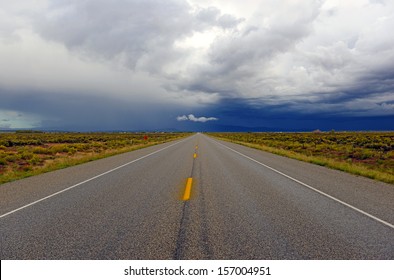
(197, 198)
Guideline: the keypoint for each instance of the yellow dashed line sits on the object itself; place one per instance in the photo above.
(188, 189)
(195, 155)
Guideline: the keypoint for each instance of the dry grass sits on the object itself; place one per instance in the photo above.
(353, 167)
(34, 154)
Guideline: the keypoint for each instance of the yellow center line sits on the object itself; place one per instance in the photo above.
(195, 155)
(188, 189)
(196, 147)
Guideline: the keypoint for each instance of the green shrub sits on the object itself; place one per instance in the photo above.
(11, 158)
(26, 155)
(72, 150)
(34, 160)
(41, 150)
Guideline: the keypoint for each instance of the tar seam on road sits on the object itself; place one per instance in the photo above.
(88, 180)
(179, 247)
(178, 253)
(312, 188)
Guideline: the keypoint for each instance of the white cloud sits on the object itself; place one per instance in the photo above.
(182, 118)
(192, 118)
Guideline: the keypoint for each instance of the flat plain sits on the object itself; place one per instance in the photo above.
(28, 153)
(369, 154)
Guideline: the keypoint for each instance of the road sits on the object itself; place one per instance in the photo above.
(197, 198)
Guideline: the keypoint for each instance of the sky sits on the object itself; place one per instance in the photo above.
(200, 65)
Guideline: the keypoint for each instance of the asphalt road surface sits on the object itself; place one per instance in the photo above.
(197, 198)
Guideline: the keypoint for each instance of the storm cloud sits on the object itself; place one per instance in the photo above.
(134, 64)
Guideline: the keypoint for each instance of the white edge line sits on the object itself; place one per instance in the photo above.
(88, 180)
(312, 188)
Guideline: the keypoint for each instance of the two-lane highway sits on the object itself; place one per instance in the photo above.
(197, 198)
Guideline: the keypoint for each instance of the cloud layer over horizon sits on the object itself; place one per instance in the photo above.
(132, 64)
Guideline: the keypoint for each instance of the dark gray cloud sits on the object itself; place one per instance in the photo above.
(136, 33)
(135, 63)
(239, 59)
(67, 111)
(292, 61)
(124, 30)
